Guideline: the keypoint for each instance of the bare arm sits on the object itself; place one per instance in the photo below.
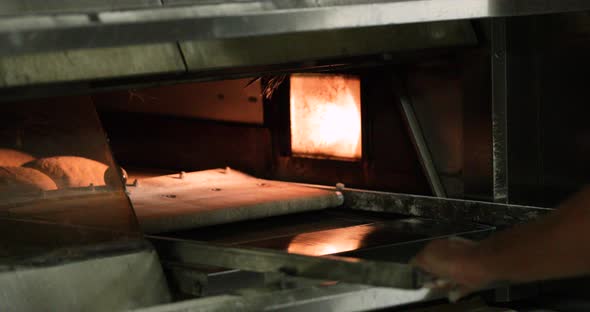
(555, 246)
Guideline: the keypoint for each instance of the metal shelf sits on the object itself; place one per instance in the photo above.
(205, 20)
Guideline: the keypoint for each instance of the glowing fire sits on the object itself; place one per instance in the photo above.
(326, 116)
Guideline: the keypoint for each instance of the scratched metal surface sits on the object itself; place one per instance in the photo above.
(221, 20)
(329, 232)
(495, 214)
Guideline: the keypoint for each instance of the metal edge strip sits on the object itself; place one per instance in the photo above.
(26, 34)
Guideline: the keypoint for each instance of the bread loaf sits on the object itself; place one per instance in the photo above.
(21, 180)
(71, 171)
(14, 158)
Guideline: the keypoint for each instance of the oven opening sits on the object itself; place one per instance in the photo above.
(325, 112)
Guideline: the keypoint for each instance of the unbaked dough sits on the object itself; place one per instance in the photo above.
(21, 180)
(71, 171)
(14, 158)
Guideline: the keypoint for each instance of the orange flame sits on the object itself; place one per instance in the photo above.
(326, 116)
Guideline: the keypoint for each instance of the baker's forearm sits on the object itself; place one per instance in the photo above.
(556, 246)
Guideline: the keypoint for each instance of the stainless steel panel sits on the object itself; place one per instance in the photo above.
(244, 19)
(17, 7)
(264, 50)
(340, 297)
(112, 277)
(89, 64)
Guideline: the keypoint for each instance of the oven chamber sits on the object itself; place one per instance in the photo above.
(439, 150)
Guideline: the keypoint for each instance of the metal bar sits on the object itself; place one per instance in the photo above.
(339, 297)
(422, 148)
(25, 34)
(344, 269)
(18, 7)
(202, 283)
(457, 210)
(500, 136)
(499, 111)
(67, 66)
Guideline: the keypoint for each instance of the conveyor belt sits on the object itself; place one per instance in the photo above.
(197, 199)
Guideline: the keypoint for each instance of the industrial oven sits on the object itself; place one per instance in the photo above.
(279, 155)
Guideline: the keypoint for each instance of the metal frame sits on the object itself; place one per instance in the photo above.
(422, 148)
(499, 111)
(457, 210)
(351, 270)
(449, 209)
(390, 273)
(25, 34)
(338, 297)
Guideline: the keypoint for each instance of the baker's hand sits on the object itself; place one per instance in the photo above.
(457, 265)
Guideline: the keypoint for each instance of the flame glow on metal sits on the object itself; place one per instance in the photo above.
(326, 116)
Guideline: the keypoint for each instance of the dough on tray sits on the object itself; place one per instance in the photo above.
(23, 180)
(14, 158)
(71, 171)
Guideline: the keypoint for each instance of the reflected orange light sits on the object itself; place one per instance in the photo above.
(330, 241)
(326, 116)
(302, 245)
